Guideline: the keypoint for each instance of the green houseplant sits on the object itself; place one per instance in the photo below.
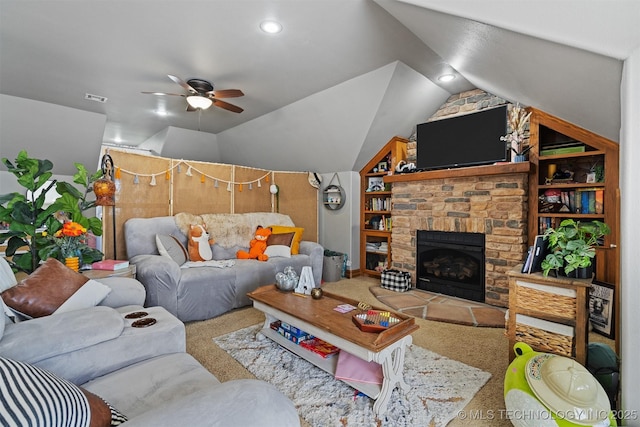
(31, 225)
(572, 247)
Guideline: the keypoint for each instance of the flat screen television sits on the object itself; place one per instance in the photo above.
(466, 140)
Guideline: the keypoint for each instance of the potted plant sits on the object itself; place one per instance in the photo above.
(572, 247)
(31, 224)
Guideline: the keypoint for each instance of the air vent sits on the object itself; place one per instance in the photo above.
(96, 98)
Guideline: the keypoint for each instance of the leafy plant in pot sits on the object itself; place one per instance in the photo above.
(31, 224)
(572, 247)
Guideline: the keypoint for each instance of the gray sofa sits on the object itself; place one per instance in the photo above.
(199, 293)
(144, 373)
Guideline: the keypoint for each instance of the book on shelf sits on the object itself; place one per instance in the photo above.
(527, 262)
(110, 264)
(562, 150)
(538, 253)
(320, 347)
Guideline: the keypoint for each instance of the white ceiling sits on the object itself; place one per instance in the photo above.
(341, 78)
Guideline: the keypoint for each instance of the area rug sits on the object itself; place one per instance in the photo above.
(440, 387)
(441, 308)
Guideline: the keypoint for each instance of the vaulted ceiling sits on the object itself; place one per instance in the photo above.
(324, 94)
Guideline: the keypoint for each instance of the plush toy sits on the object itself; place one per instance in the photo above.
(257, 246)
(199, 245)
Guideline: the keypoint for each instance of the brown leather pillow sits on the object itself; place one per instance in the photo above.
(101, 414)
(280, 239)
(44, 290)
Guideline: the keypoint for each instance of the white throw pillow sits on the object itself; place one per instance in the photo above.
(278, 251)
(7, 278)
(89, 295)
(170, 247)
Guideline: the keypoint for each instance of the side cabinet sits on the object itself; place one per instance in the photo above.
(549, 313)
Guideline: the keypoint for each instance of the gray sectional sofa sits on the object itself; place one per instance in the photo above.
(144, 373)
(202, 292)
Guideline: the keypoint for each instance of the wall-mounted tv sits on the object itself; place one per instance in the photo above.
(466, 140)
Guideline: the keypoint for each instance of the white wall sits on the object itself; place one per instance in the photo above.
(339, 230)
(630, 227)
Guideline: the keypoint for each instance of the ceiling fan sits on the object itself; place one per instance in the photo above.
(201, 95)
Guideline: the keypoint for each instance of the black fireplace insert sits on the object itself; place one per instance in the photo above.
(451, 263)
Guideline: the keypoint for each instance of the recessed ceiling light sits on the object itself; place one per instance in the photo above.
(446, 77)
(271, 27)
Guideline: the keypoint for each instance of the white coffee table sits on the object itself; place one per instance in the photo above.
(319, 318)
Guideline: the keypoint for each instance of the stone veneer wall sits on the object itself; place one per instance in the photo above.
(495, 205)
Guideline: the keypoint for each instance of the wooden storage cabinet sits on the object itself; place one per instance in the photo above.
(375, 207)
(548, 313)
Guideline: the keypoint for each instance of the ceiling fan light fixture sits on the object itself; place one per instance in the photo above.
(271, 27)
(197, 101)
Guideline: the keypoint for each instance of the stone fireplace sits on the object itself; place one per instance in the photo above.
(490, 200)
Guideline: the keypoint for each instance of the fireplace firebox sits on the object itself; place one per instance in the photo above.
(451, 263)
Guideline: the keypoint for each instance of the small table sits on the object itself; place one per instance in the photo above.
(555, 305)
(319, 318)
(130, 272)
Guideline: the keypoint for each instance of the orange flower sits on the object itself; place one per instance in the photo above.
(71, 229)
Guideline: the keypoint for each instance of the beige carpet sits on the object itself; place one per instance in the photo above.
(442, 308)
(484, 348)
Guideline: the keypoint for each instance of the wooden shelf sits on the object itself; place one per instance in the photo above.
(392, 153)
(546, 129)
(486, 170)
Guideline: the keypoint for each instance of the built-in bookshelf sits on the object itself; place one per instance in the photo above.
(375, 207)
(575, 174)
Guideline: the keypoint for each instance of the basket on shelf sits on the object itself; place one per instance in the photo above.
(563, 306)
(545, 341)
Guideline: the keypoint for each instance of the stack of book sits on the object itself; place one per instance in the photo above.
(535, 255)
(110, 264)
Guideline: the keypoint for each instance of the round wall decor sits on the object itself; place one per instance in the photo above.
(333, 196)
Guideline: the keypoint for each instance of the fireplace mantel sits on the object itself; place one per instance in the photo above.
(497, 169)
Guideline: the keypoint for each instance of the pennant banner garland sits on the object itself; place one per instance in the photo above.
(190, 171)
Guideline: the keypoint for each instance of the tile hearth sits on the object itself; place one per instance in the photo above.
(441, 308)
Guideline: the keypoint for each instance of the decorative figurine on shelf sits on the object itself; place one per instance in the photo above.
(515, 139)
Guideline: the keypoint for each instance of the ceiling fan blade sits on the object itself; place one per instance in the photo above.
(182, 83)
(225, 93)
(227, 106)
(163, 93)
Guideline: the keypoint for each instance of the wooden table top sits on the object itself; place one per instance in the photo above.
(321, 314)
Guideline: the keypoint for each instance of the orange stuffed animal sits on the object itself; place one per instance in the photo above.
(199, 245)
(257, 246)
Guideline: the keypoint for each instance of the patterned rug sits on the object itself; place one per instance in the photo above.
(440, 387)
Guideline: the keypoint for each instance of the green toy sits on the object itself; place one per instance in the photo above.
(555, 378)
